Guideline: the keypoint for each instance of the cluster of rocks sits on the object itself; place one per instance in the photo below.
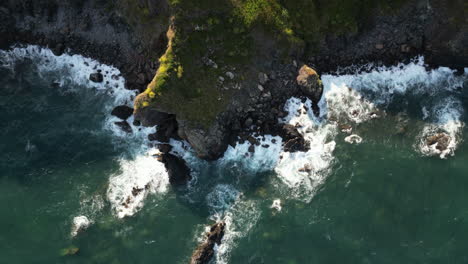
(123, 112)
(205, 252)
(441, 141)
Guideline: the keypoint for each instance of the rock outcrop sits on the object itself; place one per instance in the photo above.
(310, 83)
(122, 111)
(440, 140)
(179, 173)
(205, 252)
(293, 140)
(227, 99)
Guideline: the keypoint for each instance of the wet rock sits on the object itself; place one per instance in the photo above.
(251, 148)
(96, 77)
(177, 170)
(122, 111)
(124, 126)
(136, 191)
(205, 252)
(165, 148)
(442, 140)
(293, 140)
(310, 83)
(307, 168)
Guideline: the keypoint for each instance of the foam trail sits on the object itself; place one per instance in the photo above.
(304, 172)
(240, 219)
(137, 179)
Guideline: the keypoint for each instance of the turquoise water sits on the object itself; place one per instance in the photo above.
(386, 200)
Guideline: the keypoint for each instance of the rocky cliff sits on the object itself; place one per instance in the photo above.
(212, 70)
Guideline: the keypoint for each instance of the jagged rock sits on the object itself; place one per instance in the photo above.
(150, 117)
(293, 140)
(310, 83)
(205, 252)
(96, 77)
(124, 126)
(177, 170)
(122, 111)
(442, 140)
(230, 75)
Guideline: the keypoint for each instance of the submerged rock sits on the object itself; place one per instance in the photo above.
(309, 82)
(205, 252)
(177, 170)
(122, 111)
(96, 77)
(69, 251)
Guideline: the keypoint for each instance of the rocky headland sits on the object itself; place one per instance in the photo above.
(214, 72)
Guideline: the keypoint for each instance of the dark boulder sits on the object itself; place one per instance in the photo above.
(96, 77)
(122, 111)
(205, 252)
(177, 170)
(124, 126)
(293, 140)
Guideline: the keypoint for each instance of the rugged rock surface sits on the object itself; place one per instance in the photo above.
(293, 140)
(96, 77)
(132, 35)
(309, 82)
(440, 140)
(205, 252)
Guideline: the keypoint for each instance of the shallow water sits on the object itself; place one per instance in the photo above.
(388, 199)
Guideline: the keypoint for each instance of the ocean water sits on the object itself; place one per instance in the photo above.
(369, 190)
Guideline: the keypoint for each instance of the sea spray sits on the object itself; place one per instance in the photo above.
(140, 173)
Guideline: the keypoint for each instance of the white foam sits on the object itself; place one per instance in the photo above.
(353, 139)
(304, 172)
(72, 69)
(222, 198)
(80, 223)
(447, 120)
(343, 98)
(262, 159)
(144, 174)
(276, 205)
(239, 220)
